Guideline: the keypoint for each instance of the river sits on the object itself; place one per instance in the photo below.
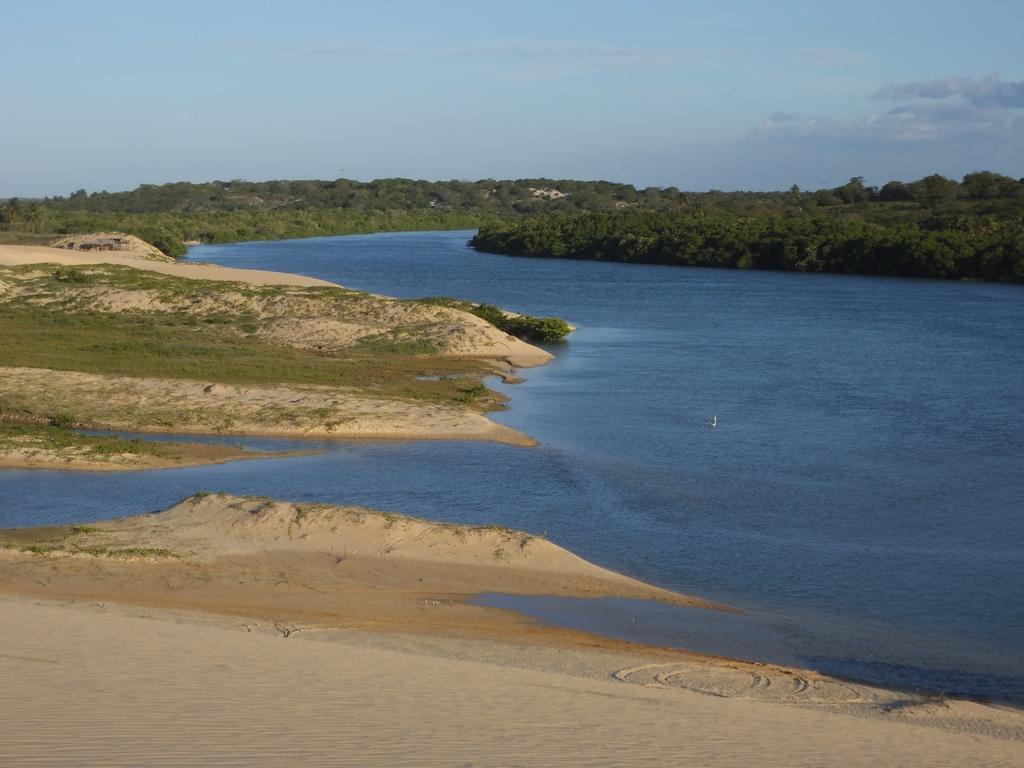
(861, 495)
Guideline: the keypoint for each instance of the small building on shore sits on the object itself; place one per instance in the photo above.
(97, 243)
(129, 245)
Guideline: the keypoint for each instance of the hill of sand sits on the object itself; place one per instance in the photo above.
(342, 549)
(322, 320)
(345, 637)
(279, 309)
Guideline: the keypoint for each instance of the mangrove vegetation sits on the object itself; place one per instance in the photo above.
(933, 228)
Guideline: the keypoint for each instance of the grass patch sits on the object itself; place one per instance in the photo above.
(60, 443)
(126, 552)
(206, 331)
(165, 346)
(45, 539)
(473, 393)
(72, 275)
(65, 540)
(398, 342)
(26, 238)
(49, 278)
(54, 437)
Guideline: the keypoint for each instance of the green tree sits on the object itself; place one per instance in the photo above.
(12, 212)
(894, 191)
(853, 191)
(934, 188)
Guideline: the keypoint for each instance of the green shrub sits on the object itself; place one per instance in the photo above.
(471, 394)
(71, 275)
(546, 329)
(527, 327)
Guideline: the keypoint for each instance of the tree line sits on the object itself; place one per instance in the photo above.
(934, 226)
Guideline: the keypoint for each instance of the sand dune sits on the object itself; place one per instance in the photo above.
(98, 685)
(303, 321)
(16, 255)
(230, 553)
(94, 684)
(333, 323)
(240, 631)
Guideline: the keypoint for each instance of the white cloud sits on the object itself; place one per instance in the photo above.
(952, 126)
(989, 92)
(957, 109)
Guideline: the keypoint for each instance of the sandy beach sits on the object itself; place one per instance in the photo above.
(231, 631)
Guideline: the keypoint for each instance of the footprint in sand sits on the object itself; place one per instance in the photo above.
(755, 684)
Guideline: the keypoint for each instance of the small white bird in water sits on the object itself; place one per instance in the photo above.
(714, 421)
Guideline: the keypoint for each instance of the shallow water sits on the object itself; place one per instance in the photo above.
(864, 484)
(914, 661)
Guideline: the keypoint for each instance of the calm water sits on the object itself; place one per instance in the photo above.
(863, 493)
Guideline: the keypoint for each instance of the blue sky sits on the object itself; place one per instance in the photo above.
(728, 94)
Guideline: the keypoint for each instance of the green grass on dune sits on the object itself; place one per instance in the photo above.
(58, 438)
(53, 279)
(73, 540)
(206, 330)
(54, 443)
(176, 346)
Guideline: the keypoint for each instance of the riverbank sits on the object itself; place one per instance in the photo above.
(236, 554)
(80, 457)
(472, 337)
(21, 255)
(305, 627)
(107, 341)
(201, 407)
